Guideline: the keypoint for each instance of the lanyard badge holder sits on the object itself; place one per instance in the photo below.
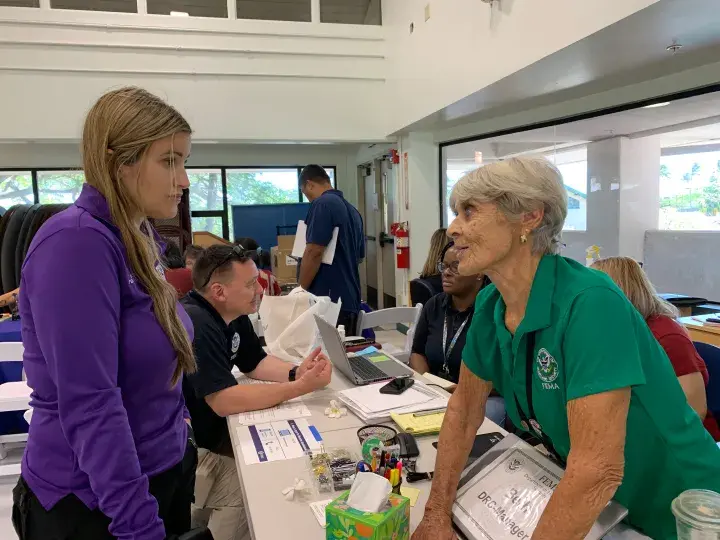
(447, 351)
(529, 420)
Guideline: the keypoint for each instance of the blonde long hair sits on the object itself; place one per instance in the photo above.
(630, 277)
(438, 241)
(118, 131)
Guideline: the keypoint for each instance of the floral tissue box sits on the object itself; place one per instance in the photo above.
(344, 522)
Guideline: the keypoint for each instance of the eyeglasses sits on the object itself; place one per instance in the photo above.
(238, 254)
(452, 267)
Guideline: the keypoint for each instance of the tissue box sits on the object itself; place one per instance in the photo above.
(345, 522)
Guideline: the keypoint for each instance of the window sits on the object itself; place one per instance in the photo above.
(59, 187)
(351, 11)
(690, 191)
(20, 3)
(206, 191)
(574, 175)
(205, 8)
(16, 188)
(297, 10)
(210, 224)
(451, 178)
(116, 6)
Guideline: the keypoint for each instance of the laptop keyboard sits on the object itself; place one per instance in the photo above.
(366, 370)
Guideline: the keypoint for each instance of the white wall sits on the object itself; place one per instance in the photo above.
(464, 47)
(233, 80)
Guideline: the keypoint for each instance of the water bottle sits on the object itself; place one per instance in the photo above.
(697, 515)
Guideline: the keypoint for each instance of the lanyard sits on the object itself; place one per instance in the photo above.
(529, 420)
(448, 350)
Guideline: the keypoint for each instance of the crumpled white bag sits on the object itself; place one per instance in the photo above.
(289, 325)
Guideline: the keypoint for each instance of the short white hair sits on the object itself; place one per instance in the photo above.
(517, 186)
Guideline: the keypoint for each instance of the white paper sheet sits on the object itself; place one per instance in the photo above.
(288, 410)
(300, 243)
(276, 441)
(318, 508)
(371, 400)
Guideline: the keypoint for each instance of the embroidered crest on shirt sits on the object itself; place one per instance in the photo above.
(547, 369)
(235, 343)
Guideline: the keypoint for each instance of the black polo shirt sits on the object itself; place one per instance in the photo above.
(428, 340)
(218, 346)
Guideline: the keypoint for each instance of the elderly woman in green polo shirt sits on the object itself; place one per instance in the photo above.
(603, 395)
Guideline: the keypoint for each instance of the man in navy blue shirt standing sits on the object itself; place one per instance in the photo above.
(341, 279)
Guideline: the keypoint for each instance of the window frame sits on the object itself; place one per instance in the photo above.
(223, 213)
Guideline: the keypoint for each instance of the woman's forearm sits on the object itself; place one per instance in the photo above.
(419, 363)
(578, 500)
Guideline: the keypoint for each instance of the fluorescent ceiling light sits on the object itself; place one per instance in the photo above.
(179, 14)
(655, 105)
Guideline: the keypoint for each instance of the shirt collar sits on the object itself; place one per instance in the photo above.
(335, 192)
(539, 307)
(199, 300)
(447, 306)
(93, 201)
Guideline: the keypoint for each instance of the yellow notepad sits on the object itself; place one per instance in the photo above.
(419, 425)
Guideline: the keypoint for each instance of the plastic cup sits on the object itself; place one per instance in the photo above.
(697, 515)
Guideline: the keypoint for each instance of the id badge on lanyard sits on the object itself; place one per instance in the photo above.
(445, 372)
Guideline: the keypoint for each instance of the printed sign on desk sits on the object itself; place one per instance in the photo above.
(505, 498)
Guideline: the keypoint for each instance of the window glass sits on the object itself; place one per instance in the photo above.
(690, 191)
(331, 173)
(574, 176)
(205, 189)
(208, 224)
(116, 6)
(205, 8)
(296, 10)
(59, 187)
(15, 188)
(351, 12)
(20, 3)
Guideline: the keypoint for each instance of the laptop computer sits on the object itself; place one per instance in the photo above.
(356, 367)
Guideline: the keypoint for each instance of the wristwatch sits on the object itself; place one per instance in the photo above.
(293, 372)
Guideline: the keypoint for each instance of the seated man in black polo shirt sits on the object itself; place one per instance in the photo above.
(225, 291)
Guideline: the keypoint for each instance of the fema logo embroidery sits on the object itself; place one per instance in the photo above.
(547, 369)
(235, 343)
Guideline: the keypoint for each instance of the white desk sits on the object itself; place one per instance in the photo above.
(271, 516)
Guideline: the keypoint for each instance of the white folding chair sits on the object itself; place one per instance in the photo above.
(392, 316)
(14, 396)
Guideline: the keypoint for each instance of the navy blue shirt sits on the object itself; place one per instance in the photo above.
(341, 279)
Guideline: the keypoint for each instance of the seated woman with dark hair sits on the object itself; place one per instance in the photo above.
(441, 331)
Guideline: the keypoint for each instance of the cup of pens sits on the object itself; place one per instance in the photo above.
(386, 463)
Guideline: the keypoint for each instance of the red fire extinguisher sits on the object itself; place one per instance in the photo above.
(402, 244)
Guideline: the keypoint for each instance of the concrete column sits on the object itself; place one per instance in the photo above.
(623, 195)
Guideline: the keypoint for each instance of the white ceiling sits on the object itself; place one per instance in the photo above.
(630, 52)
(331, 11)
(689, 121)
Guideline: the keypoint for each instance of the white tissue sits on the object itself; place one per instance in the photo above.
(369, 492)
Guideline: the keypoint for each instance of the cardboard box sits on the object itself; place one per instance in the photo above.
(345, 522)
(284, 267)
(286, 241)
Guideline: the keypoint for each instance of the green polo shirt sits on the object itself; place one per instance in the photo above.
(589, 339)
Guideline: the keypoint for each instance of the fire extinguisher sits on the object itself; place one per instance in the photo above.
(402, 244)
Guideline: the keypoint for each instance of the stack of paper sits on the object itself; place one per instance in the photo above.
(371, 406)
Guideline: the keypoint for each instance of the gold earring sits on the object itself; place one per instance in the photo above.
(523, 238)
